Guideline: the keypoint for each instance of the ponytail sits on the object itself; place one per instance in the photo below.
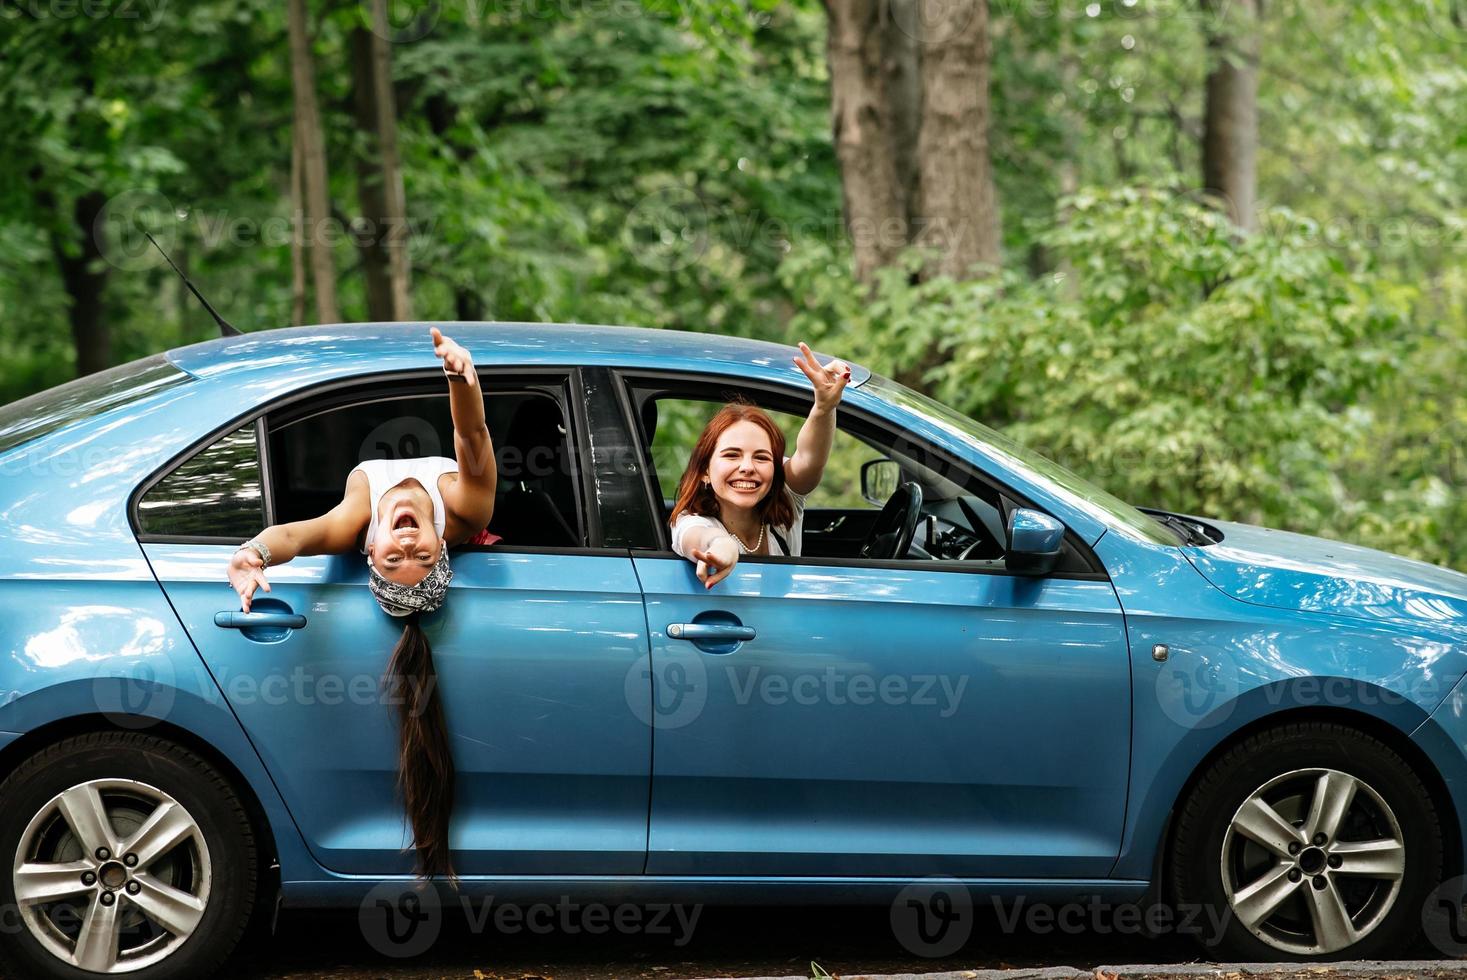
(425, 761)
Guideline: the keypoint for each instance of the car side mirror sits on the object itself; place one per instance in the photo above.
(879, 480)
(1036, 541)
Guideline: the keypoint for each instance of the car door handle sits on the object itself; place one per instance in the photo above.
(235, 619)
(710, 631)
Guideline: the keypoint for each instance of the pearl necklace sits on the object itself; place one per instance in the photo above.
(746, 548)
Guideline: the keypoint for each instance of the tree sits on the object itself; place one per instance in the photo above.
(875, 209)
(383, 239)
(1230, 116)
(317, 211)
(959, 204)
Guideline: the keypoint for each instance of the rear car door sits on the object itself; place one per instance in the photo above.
(532, 648)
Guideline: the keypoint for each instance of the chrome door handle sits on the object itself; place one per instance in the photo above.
(710, 631)
(235, 619)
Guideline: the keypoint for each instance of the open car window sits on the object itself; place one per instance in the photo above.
(538, 502)
(963, 516)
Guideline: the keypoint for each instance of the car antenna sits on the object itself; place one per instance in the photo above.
(225, 328)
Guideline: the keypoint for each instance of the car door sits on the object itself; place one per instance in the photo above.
(532, 648)
(829, 716)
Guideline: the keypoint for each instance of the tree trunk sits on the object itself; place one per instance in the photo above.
(860, 119)
(84, 274)
(441, 114)
(297, 245)
(959, 203)
(903, 67)
(383, 240)
(1230, 118)
(313, 160)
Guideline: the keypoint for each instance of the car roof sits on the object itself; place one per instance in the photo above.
(352, 348)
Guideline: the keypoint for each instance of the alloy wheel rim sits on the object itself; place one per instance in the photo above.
(112, 875)
(1312, 861)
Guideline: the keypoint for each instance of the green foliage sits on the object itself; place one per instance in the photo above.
(666, 163)
(1181, 366)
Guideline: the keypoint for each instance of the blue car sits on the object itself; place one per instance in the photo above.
(982, 670)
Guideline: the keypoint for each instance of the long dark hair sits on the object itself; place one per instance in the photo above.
(694, 497)
(424, 760)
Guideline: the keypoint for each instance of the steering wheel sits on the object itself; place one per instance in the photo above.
(896, 526)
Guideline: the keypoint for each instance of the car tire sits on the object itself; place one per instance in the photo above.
(172, 905)
(1247, 852)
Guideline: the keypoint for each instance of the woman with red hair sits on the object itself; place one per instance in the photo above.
(740, 494)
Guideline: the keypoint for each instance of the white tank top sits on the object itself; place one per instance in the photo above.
(384, 474)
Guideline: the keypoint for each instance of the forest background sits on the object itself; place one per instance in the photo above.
(1208, 253)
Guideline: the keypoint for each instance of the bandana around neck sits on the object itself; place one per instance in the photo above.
(404, 600)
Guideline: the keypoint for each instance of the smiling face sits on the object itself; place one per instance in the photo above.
(742, 468)
(406, 545)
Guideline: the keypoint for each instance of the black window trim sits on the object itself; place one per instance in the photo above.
(629, 379)
(405, 382)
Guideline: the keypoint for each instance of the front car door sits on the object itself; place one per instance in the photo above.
(882, 718)
(532, 648)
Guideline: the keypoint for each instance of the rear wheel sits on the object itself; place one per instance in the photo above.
(1312, 841)
(131, 855)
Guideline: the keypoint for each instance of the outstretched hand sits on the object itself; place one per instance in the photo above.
(714, 567)
(246, 572)
(829, 380)
(455, 359)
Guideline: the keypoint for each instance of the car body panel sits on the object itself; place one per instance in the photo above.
(1230, 664)
(532, 653)
(877, 722)
(1296, 571)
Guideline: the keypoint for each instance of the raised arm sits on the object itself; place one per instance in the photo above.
(470, 498)
(812, 446)
(333, 532)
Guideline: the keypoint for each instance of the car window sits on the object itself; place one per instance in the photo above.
(216, 493)
(86, 397)
(968, 514)
(538, 503)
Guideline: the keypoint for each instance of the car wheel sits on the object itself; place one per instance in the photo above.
(131, 855)
(1311, 841)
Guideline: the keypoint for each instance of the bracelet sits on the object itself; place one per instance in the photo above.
(258, 547)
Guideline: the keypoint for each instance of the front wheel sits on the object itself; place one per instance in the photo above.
(131, 855)
(1312, 841)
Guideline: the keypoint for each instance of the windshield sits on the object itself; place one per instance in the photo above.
(1080, 492)
(45, 412)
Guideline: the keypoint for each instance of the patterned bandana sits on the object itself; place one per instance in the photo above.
(404, 600)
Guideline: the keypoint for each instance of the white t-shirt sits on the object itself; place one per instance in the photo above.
(384, 474)
(791, 533)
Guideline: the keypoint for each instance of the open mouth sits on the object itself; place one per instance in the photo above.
(747, 485)
(404, 518)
